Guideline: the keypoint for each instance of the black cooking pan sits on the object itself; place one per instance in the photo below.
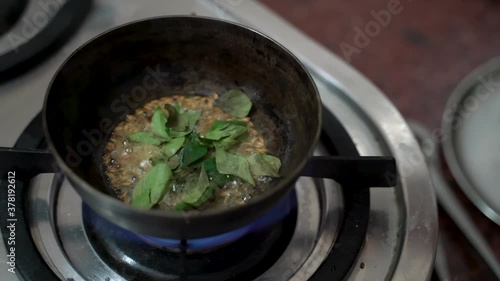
(120, 70)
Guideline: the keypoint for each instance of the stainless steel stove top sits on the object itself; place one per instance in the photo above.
(402, 232)
(315, 232)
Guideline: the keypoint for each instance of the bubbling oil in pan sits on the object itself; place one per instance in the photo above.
(126, 162)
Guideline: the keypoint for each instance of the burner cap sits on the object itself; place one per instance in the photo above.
(10, 12)
(18, 59)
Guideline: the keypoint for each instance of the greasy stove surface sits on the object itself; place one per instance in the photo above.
(417, 59)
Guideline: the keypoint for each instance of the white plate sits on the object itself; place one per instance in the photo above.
(471, 140)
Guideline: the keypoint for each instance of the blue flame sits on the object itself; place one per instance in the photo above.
(278, 213)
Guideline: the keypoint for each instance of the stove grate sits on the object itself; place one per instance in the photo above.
(336, 266)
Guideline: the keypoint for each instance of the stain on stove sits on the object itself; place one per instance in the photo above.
(362, 265)
(415, 37)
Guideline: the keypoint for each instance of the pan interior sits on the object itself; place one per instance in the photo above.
(122, 70)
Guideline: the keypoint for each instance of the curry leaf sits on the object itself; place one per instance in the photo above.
(172, 113)
(191, 152)
(191, 117)
(173, 146)
(193, 190)
(216, 135)
(182, 206)
(219, 124)
(158, 123)
(184, 123)
(151, 188)
(232, 164)
(226, 143)
(178, 107)
(222, 129)
(176, 134)
(217, 180)
(156, 159)
(173, 162)
(264, 165)
(210, 167)
(235, 103)
(146, 138)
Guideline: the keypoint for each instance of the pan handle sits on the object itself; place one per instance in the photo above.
(26, 162)
(360, 171)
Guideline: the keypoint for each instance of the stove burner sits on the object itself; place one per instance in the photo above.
(285, 250)
(64, 18)
(278, 213)
(253, 250)
(10, 13)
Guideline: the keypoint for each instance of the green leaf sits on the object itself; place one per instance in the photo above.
(264, 165)
(235, 103)
(223, 129)
(158, 124)
(155, 160)
(191, 152)
(151, 188)
(210, 167)
(146, 138)
(216, 135)
(219, 124)
(184, 123)
(226, 143)
(192, 117)
(173, 163)
(172, 113)
(172, 146)
(178, 107)
(216, 180)
(182, 206)
(193, 190)
(176, 134)
(231, 164)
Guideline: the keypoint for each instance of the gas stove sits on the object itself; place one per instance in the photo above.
(326, 232)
